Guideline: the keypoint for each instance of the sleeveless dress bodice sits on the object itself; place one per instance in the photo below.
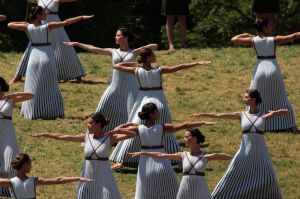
(6, 109)
(149, 79)
(23, 189)
(50, 6)
(96, 148)
(38, 34)
(152, 136)
(252, 122)
(194, 164)
(264, 46)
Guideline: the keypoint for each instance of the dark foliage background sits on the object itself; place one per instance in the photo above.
(212, 22)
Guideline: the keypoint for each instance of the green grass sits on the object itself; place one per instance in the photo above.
(216, 87)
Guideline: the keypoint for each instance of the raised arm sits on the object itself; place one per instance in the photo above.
(61, 180)
(170, 128)
(287, 38)
(67, 22)
(102, 51)
(174, 156)
(271, 114)
(244, 39)
(60, 136)
(138, 50)
(232, 116)
(5, 182)
(127, 67)
(119, 134)
(2, 17)
(170, 69)
(19, 97)
(218, 156)
(15, 25)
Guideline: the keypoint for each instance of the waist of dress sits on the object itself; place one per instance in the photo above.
(266, 57)
(53, 13)
(153, 147)
(6, 118)
(193, 174)
(150, 89)
(41, 44)
(248, 131)
(98, 158)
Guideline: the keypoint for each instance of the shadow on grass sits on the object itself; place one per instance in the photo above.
(83, 82)
(127, 170)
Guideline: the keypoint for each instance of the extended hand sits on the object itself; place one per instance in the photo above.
(210, 123)
(86, 180)
(70, 43)
(84, 17)
(203, 62)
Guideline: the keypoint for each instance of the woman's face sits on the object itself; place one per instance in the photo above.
(92, 125)
(188, 139)
(248, 100)
(120, 38)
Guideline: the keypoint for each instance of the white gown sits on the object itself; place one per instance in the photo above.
(23, 189)
(97, 167)
(8, 144)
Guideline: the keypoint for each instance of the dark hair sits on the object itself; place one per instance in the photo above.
(146, 110)
(253, 93)
(99, 118)
(4, 86)
(20, 160)
(126, 33)
(196, 133)
(261, 23)
(142, 57)
(34, 11)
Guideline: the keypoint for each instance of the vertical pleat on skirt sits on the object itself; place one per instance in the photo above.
(193, 187)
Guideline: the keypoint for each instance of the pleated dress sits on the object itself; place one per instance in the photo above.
(250, 174)
(118, 99)
(97, 167)
(150, 83)
(23, 189)
(41, 78)
(66, 59)
(155, 177)
(268, 80)
(193, 184)
(8, 144)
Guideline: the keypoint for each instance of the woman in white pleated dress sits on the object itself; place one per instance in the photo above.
(66, 59)
(41, 74)
(193, 184)
(118, 99)
(150, 82)
(96, 151)
(267, 77)
(24, 187)
(8, 141)
(155, 178)
(250, 173)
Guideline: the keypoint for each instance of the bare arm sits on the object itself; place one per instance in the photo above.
(5, 182)
(126, 125)
(168, 69)
(67, 22)
(2, 17)
(22, 26)
(19, 97)
(271, 114)
(60, 136)
(102, 51)
(287, 38)
(218, 156)
(138, 50)
(32, 1)
(61, 180)
(127, 67)
(244, 39)
(65, 1)
(232, 116)
(168, 128)
(120, 134)
(174, 156)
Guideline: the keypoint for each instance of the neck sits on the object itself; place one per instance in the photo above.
(37, 22)
(196, 150)
(253, 109)
(149, 123)
(147, 65)
(21, 175)
(124, 47)
(99, 133)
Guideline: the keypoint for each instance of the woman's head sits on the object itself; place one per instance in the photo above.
(261, 24)
(37, 12)
(252, 94)
(22, 162)
(124, 35)
(149, 111)
(4, 87)
(192, 136)
(96, 120)
(146, 55)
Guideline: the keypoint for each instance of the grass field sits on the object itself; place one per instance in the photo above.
(217, 87)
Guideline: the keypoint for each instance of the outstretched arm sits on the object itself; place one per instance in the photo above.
(174, 156)
(5, 182)
(139, 50)
(287, 38)
(168, 69)
(32, 1)
(60, 136)
(2, 17)
(61, 180)
(218, 156)
(271, 114)
(170, 128)
(244, 39)
(65, 1)
(232, 116)
(127, 67)
(67, 22)
(19, 97)
(15, 25)
(102, 51)
(119, 134)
